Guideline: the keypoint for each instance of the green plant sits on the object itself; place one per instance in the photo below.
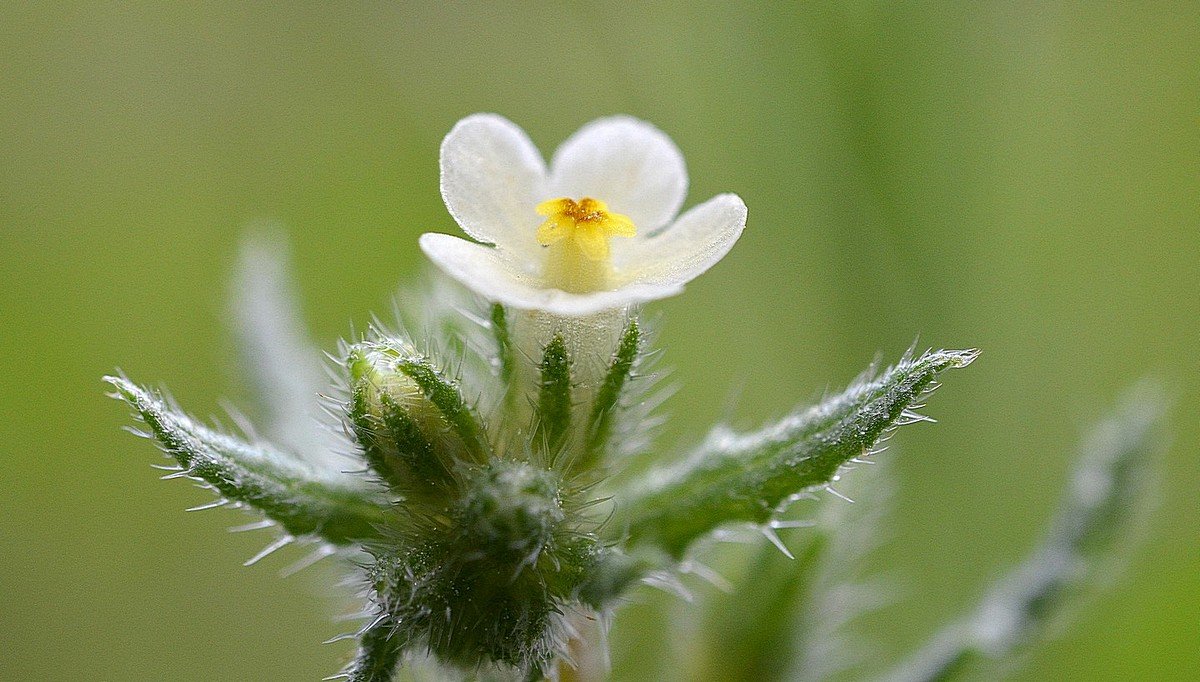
(475, 479)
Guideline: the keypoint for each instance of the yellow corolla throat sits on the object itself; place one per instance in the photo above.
(576, 235)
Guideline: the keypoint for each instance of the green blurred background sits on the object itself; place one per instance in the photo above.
(1022, 177)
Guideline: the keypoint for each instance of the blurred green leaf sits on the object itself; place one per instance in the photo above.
(1112, 485)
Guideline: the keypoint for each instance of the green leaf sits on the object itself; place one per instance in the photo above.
(554, 398)
(283, 488)
(607, 401)
(745, 478)
(1111, 486)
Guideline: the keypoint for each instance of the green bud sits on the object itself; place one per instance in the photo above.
(405, 438)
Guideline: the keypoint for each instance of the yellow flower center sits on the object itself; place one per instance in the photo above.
(576, 234)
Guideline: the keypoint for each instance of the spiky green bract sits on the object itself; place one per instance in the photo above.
(1109, 489)
(554, 397)
(745, 478)
(488, 579)
(607, 402)
(283, 488)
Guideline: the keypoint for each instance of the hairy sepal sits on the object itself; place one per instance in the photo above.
(601, 424)
(554, 397)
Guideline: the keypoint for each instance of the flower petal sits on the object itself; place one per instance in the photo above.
(695, 243)
(628, 164)
(488, 273)
(492, 179)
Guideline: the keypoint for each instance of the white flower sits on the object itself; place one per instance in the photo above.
(596, 230)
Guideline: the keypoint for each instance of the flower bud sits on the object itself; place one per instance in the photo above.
(405, 438)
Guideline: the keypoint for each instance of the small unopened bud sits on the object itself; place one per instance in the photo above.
(404, 436)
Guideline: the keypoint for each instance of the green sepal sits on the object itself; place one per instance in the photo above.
(446, 396)
(413, 446)
(607, 401)
(504, 346)
(554, 396)
(285, 489)
(744, 478)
